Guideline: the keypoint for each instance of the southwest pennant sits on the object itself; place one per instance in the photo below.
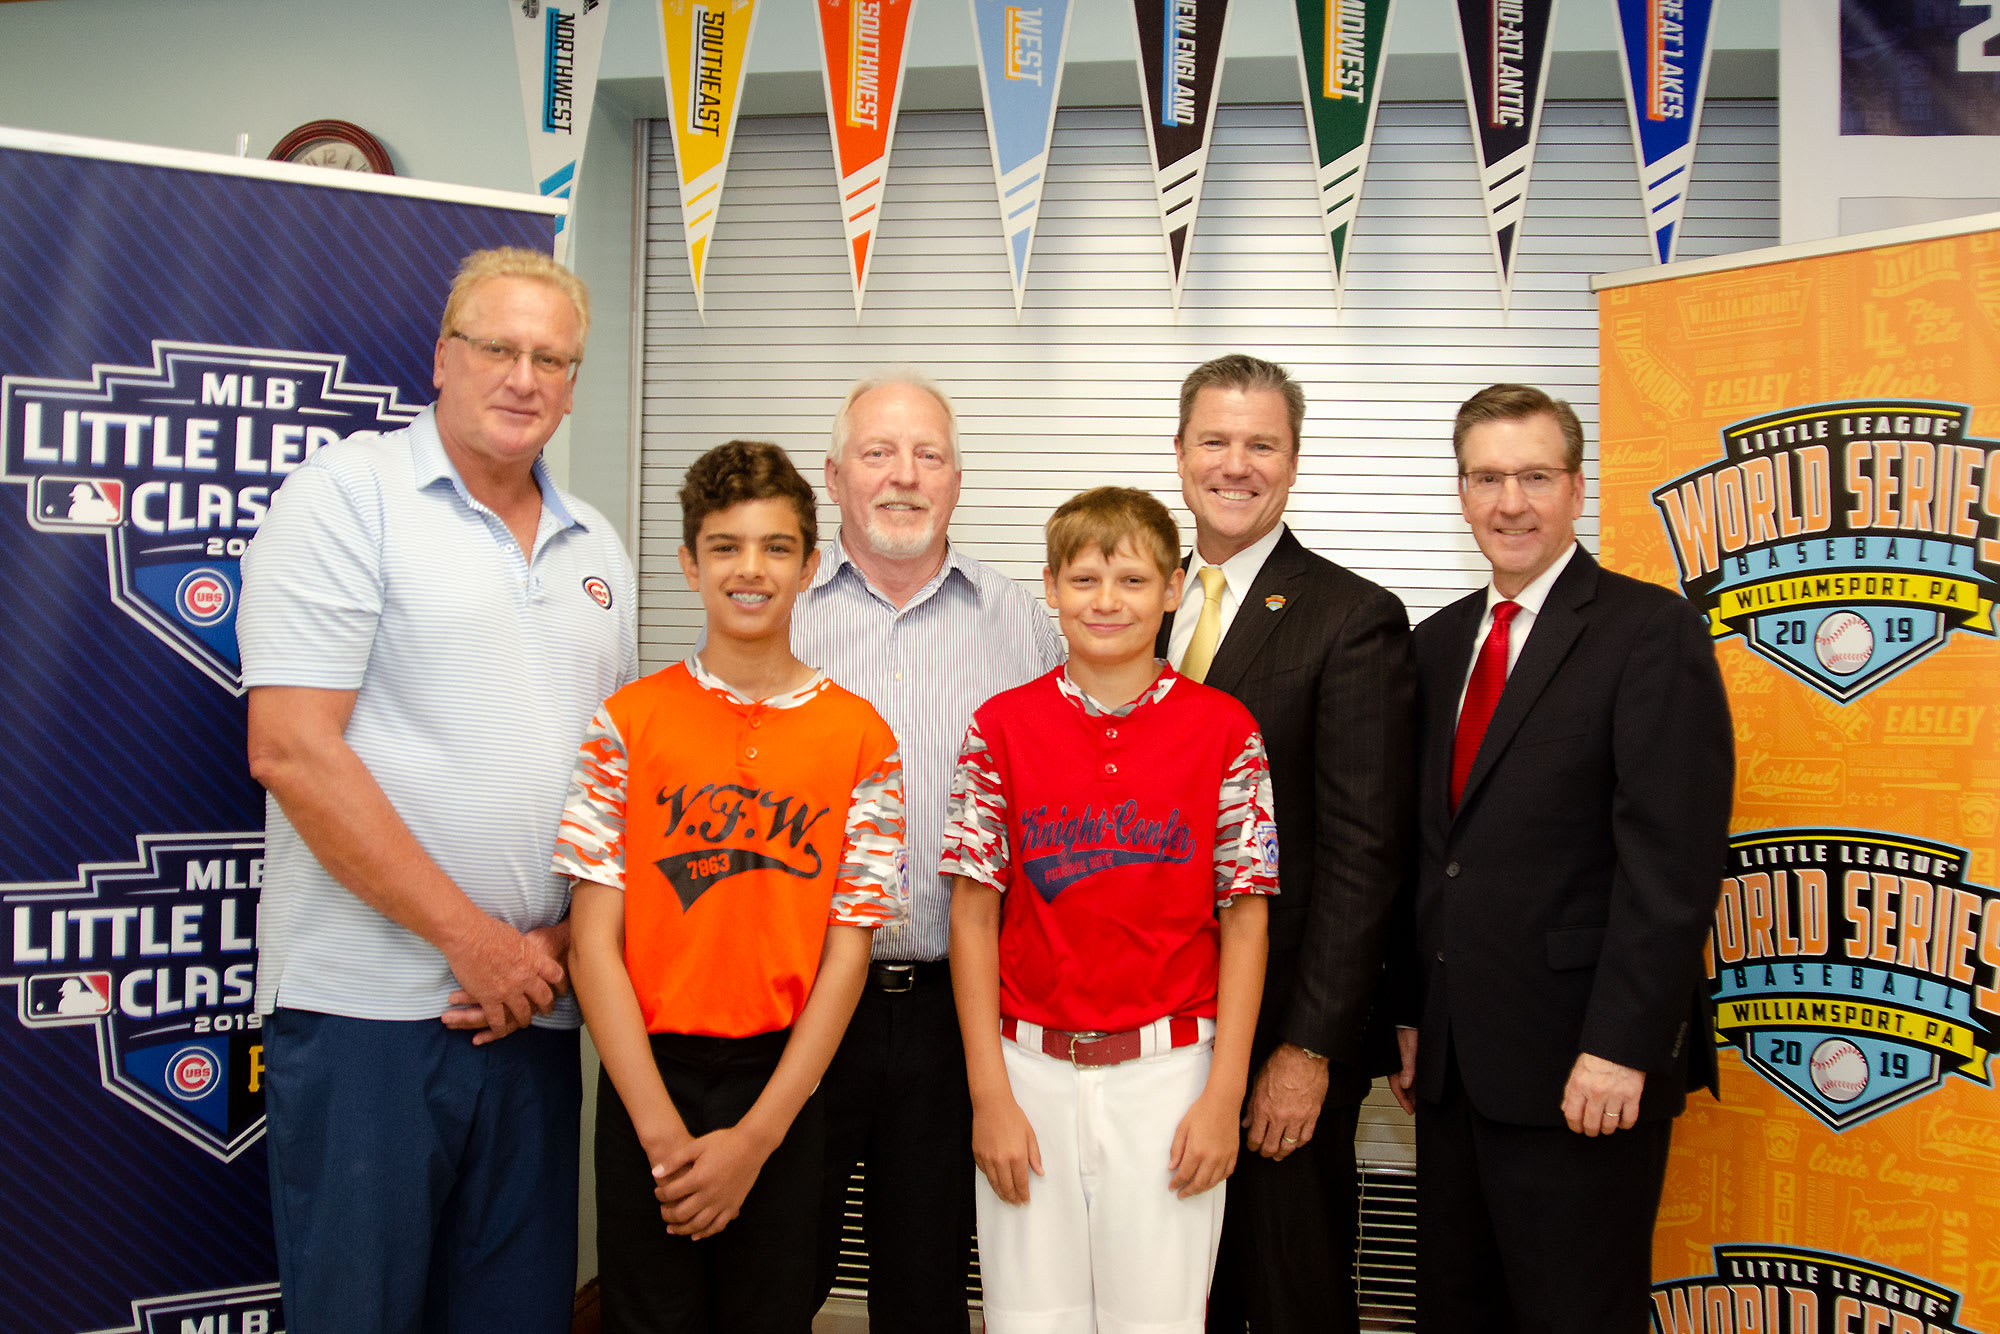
(1021, 45)
(1504, 53)
(1180, 68)
(1665, 44)
(1340, 65)
(707, 43)
(861, 59)
(557, 48)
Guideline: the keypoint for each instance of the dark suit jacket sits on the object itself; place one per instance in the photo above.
(1563, 908)
(1326, 673)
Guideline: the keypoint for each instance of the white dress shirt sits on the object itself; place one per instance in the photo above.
(1530, 600)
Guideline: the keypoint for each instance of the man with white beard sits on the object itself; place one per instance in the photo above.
(902, 617)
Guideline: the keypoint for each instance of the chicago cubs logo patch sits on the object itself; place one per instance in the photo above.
(600, 592)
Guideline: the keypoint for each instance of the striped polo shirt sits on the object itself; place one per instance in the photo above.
(476, 671)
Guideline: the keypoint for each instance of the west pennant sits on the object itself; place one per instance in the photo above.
(1665, 44)
(557, 46)
(1340, 66)
(1504, 53)
(706, 44)
(1180, 69)
(1021, 46)
(861, 64)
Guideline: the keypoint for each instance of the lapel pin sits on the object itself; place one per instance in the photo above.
(1275, 602)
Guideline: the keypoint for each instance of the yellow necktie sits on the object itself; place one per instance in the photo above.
(1207, 626)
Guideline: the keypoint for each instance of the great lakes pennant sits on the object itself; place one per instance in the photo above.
(557, 48)
(861, 61)
(1504, 51)
(1021, 45)
(1340, 66)
(1180, 69)
(707, 45)
(1665, 43)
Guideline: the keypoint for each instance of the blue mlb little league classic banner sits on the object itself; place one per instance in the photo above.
(1021, 46)
(182, 332)
(1665, 44)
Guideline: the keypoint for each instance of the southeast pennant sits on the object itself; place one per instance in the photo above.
(861, 61)
(1665, 44)
(1504, 52)
(1340, 66)
(707, 43)
(1180, 68)
(1021, 48)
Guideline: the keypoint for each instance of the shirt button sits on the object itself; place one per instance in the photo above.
(1440, 956)
(1111, 768)
(1451, 871)
(749, 752)
(756, 722)
(899, 676)
(1110, 734)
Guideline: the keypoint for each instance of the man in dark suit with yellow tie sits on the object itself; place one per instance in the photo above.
(1320, 656)
(1574, 782)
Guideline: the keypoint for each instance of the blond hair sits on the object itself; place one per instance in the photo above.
(515, 262)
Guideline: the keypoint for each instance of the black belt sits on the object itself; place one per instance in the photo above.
(904, 975)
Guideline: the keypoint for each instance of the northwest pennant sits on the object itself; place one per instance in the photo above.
(1180, 69)
(1665, 43)
(1340, 65)
(861, 59)
(707, 44)
(1504, 52)
(557, 48)
(1021, 45)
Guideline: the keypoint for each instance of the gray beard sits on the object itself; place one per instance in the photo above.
(900, 548)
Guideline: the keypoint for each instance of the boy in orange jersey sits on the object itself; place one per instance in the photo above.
(1108, 990)
(734, 830)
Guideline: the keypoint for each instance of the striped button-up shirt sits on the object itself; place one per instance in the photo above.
(967, 635)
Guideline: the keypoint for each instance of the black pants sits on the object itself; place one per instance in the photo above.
(896, 1100)
(756, 1275)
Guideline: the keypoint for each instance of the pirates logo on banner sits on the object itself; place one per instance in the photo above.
(1774, 1288)
(1847, 967)
(1340, 66)
(1665, 44)
(172, 466)
(1843, 540)
(1180, 69)
(1504, 53)
(861, 63)
(557, 46)
(1021, 49)
(707, 50)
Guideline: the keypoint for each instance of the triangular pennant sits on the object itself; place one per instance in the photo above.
(1665, 43)
(1503, 50)
(557, 48)
(1021, 49)
(861, 63)
(1340, 64)
(707, 45)
(1180, 70)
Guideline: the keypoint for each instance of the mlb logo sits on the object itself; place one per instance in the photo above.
(78, 504)
(49, 999)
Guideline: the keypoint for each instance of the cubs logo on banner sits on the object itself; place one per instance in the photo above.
(861, 64)
(1021, 45)
(707, 49)
(1340, 66)
(1665, 45)
(557, 44)
(171, 466)
(1503, 48)
(1180, 69)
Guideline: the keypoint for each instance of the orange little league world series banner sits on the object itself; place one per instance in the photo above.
(1808, 447)
(861, 61)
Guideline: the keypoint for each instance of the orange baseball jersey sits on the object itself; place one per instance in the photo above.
(738, 831)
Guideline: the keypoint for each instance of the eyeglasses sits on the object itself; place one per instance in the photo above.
(1535, 483)
(494, 354)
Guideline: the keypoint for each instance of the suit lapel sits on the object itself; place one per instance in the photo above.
(1459, 624)
(1254, 620)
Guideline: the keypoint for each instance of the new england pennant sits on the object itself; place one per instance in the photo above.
(707, 43)
(1665, 45)
(861, 62)
(557, 48)
(1180, 69)
(1021, 45)
(1504, 52)
(1340, 66)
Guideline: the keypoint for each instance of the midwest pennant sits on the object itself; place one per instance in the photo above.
(1665, 43)
(1340, 65)
(1021, 45)
(557, 48)
(1504, 52)
(707, 43)
(1180, 67)
(861, 59)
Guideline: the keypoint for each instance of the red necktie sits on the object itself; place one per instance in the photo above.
(1482, 693)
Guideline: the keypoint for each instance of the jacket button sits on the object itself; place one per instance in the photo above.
(1440, 956)
(1451, 870)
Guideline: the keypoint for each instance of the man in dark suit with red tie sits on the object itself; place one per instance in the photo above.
(1575, 769)
(1320, 656)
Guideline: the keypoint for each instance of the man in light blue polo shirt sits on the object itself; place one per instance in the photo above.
(427, 625)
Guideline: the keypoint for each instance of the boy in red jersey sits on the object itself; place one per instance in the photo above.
(1111, 836)
(734, 830)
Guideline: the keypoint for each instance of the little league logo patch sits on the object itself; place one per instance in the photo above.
(158, 956)
(1844, 541)
(256, 1309)
(1855, 969)
(172, 467)
(1791, 1290)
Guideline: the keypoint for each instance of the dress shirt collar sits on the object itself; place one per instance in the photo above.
(1240, 570)
(1536, 593)
(430, 465)
(836, 560)
(1152, 694)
